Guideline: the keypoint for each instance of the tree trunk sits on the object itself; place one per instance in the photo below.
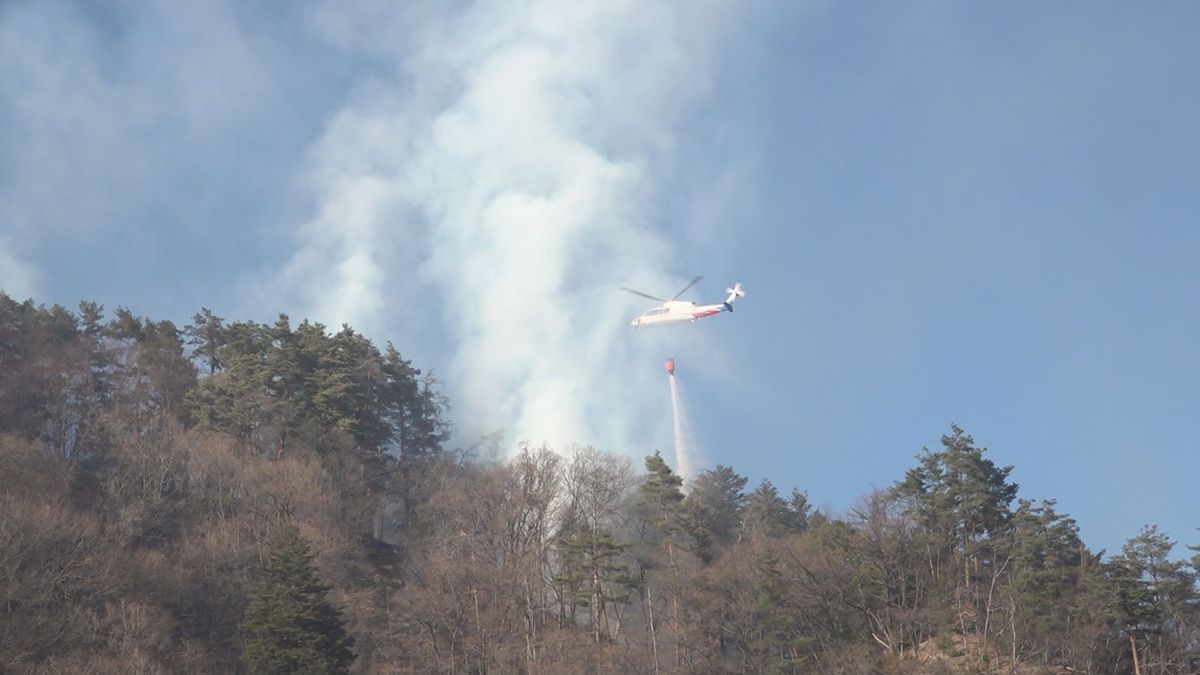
(675, 602)
(1137, 668)
(597, 603)
(653, 636)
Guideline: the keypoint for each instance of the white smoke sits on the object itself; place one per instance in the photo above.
(17, 278)
(513, 162)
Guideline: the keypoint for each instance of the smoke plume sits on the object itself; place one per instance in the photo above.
(17, 278)
(505, 175)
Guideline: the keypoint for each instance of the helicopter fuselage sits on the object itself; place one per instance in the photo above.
(677, 311)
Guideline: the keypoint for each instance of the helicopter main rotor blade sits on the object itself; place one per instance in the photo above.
(685, 288)
(644, 295)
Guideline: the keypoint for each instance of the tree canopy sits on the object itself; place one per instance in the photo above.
(277, 498)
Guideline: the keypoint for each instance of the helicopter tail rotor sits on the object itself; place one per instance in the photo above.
(734, 293)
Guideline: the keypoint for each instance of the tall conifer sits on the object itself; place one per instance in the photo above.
(290, 626)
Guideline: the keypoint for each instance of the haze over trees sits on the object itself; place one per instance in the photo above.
(272, 497)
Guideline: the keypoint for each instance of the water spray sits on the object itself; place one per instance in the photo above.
(683, 454)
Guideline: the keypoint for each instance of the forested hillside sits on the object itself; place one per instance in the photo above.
(229, 496)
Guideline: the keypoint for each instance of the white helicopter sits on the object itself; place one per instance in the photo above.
(675, 311)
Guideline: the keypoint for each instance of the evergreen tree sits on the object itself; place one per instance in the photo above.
(290, 626)
(660, 506)
(714, 508)
(774, 636)
(592, 567)
(90, 314)
(800, 510)
(126, 326)
(206, 335)
(766, 513)
(61, 325)
(1048, 561)
(958, 491)
(145, 368)
(661, 495)
(961, 501)
(353, 395)
(415, 408)
(1157, 598)
(285, 376)
(236, 400)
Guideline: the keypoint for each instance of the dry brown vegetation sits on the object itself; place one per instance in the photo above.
(139, 499)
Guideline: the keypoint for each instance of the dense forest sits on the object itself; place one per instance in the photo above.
(237, 496)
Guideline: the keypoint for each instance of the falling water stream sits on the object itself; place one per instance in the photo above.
(683, 451)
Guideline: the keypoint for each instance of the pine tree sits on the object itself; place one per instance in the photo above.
(959, 492)
(236, 400)
(714, 508)
(206, 335)
(592, 566)
(290, 626)
(1156, 597)
(961, 500)
(414, 407)
(661, 495)
(766, 513)
(285, 376)
(799, 511)
(1047, 565)
(661, 506)
(776, 637)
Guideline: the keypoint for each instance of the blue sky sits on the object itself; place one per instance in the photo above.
(981, 214)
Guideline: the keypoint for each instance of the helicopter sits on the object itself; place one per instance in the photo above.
(675, 311)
